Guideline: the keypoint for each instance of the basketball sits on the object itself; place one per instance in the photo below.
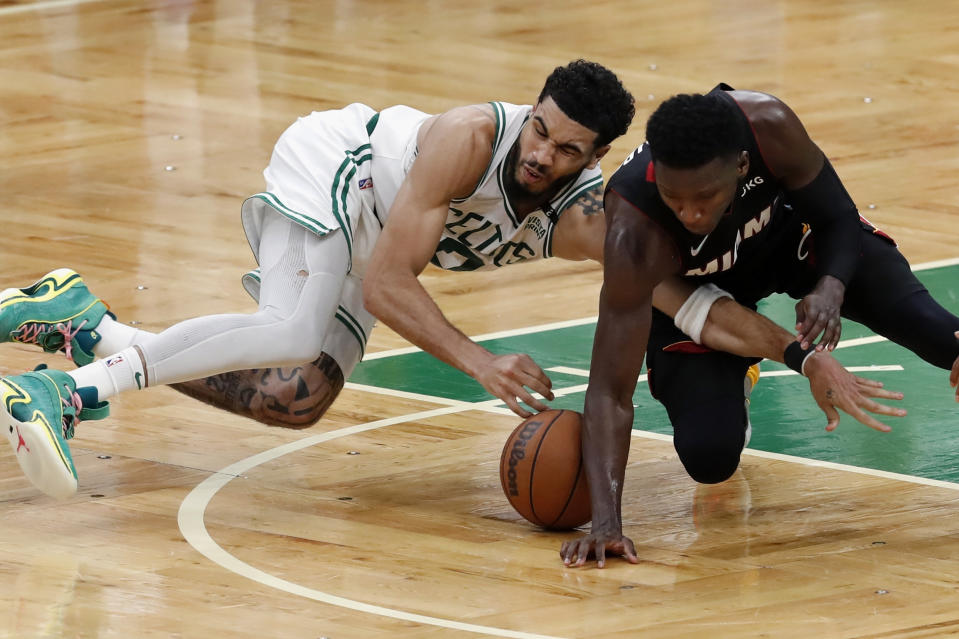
(541, 470)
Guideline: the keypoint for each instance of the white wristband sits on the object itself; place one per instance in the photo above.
(691, 316)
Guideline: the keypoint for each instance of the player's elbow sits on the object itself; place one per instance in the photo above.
(374, 293)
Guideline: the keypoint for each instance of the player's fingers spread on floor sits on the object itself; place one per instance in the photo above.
(863, 381)
(881, 393)
(832, 415)
(570, 552)
(582, 552)
(870, 421)
(881, 409)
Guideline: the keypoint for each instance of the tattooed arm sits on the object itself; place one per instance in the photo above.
(581, 229)
(289, 397)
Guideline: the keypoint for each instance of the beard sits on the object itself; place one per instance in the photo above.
(518, 188)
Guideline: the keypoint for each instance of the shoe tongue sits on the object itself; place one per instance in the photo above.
(92, 407)
(86, 340)
(88, 396)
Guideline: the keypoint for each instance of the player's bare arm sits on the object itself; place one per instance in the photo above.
(581, 229)
(733, 328)
(454, 151)
(736, 329)
(812, 183)
(637, 255)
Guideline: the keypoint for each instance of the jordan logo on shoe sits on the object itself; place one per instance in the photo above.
(22, 443)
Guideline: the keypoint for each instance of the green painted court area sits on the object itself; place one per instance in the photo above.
(785, 419)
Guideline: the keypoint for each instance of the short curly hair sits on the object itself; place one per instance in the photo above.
(592, 95)
(690, 130)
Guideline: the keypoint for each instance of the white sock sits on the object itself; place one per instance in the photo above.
(113, 374)
(116, 336)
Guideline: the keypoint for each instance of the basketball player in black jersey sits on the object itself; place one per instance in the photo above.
(730, 191)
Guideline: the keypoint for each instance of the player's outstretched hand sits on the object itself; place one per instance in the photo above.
(597, 545)
(818, 312)
(512, 377)
(833, 387)
(954, 374)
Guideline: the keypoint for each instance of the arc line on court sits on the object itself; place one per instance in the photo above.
(190, 519)
(190, 516)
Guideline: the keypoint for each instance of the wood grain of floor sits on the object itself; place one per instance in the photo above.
(131, 131)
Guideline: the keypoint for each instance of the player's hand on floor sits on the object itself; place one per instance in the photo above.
(833, 387)
(818, 313)
(512, 378)
(954, 374)
(597, 545)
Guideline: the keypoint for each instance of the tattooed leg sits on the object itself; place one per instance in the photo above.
(289, 397)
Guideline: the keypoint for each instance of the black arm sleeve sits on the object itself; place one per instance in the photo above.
(834, 220)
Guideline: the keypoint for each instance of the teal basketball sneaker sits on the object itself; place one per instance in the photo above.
(38, 412)
(58, 313)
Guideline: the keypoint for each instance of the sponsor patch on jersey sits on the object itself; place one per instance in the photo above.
(366, 183)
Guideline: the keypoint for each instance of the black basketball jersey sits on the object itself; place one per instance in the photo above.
(747, 232)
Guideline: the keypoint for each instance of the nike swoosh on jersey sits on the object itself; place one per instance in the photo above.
(695, 251)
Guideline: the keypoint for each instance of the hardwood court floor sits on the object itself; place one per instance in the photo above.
(131, 131)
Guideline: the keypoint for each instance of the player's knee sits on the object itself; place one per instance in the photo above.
(709, 441)
(299, 398)
(295, 339)
(708, 467)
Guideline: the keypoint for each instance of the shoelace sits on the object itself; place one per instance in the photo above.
(32, 334)
(71, 418)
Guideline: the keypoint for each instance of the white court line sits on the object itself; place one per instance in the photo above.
(583, 372)
(191, 521)
(191, 514)
(490, 406)
(42, 6)
(190, 517)
(392, 392)
(541, 328)
(592, 320)
(815, 463)
(861, 470)
(937, 264)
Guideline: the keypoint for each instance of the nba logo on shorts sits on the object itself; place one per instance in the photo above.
(366, 183)
(113, 361)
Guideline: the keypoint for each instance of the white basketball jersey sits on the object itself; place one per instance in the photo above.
(482, 230)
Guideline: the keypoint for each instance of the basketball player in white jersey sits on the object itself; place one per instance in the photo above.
(357, 203)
